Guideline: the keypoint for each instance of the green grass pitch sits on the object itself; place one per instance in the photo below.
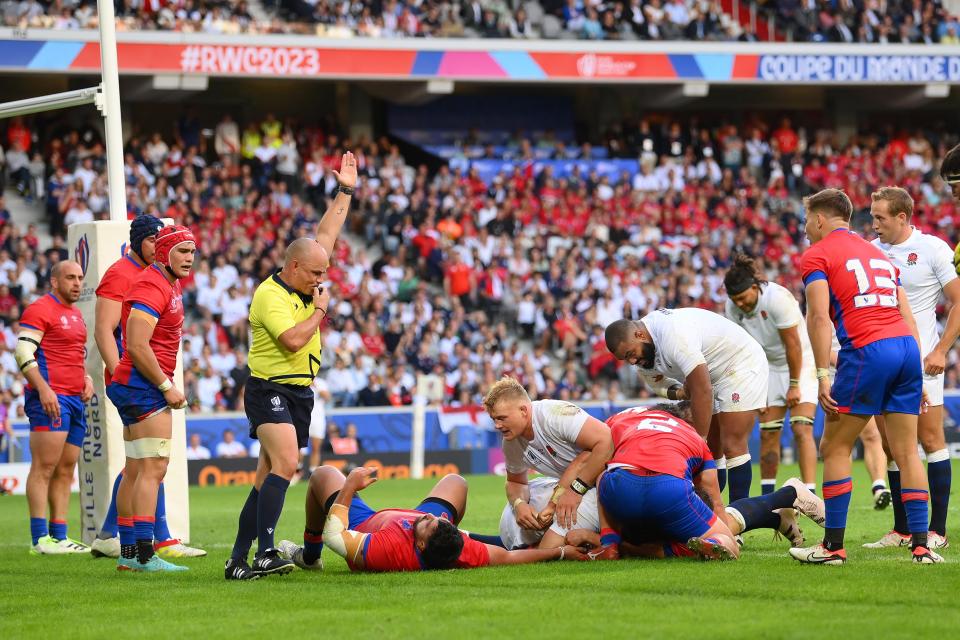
(877, 594)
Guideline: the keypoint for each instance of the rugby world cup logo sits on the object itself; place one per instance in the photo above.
(82, 253)
(587, 65)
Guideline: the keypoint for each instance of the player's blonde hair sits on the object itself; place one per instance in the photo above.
(897, 200)
(506, 388)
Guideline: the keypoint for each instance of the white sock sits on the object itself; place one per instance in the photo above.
(736, 461)
(892, 466)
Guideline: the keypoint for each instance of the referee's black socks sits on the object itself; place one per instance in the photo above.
(246, 527)
(269, 506)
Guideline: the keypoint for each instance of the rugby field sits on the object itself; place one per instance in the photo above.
(877, 594)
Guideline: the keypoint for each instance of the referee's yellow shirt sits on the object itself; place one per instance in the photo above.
(274, 309)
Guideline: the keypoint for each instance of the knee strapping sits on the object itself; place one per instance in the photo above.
(148, 448)
(801, 420)
(772, 425)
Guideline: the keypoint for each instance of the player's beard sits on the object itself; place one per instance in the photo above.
(647, 355)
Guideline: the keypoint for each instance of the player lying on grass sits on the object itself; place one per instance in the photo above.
(649, 490)
(559, 440)
(418, 539)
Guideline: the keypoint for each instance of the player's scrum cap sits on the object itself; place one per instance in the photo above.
(168, 239)
(142, 228)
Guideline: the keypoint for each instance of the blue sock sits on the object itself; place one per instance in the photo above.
(939, 474)
(899, 514)
(143, 531)
(38, 529)
(758, 512)
(160, 530)
(246, 527)
(836, 496)
(767, 486)
(740, 475)
(128, 539)
(609, 536)
(58, 529)
(110, 527)
(269, 506)
(496, 541)
(313, 545)
(915, 505)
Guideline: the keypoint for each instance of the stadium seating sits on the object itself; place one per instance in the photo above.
(550, 256)
(925, 21)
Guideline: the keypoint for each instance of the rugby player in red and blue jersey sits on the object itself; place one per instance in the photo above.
(51, 353)
(142, 390)
(113, 286)
(852, 286)
(425, 537)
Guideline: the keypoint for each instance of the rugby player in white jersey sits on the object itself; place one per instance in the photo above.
(771, 314)
(926, 270)
(559, 440)
(711, 361)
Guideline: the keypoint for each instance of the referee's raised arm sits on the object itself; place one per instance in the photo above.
(332, 221)
(285, 316)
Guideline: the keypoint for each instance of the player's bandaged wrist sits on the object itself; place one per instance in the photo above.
(517, 503)
(794, 382)
(555, 498)
(165, 386)
(822, 373)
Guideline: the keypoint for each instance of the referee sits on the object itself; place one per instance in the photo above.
(285, 317)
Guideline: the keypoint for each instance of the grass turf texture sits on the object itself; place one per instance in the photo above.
(877, 594)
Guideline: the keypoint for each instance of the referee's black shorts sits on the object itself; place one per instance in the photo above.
(269, 402)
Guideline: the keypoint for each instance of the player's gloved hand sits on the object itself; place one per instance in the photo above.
(175, 398)
(935, 363)
(567, 505)
(793, 397)
(362, 477)
(527, 518)
(49, 402)
(826, 400)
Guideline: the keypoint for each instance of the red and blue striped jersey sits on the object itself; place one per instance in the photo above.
(152, 293)
(658, 442)
(62, 354)
(863, 288)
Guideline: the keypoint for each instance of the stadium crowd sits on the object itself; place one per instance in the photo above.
(447, 273)
(878, 21)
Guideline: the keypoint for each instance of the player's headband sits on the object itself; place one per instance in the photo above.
(168, 239)
(953, 178)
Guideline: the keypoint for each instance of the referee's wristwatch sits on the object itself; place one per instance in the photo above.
(579, 487)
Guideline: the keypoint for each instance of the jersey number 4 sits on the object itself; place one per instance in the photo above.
(884, 281)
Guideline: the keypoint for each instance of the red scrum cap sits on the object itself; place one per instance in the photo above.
(168, 238)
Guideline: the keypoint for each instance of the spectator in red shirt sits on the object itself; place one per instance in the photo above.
(459, 280)
(786, 137)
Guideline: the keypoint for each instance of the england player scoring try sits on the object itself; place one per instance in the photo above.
(926, 270)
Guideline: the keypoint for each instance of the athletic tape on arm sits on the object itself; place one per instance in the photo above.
(25, 353)
(338, 537)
